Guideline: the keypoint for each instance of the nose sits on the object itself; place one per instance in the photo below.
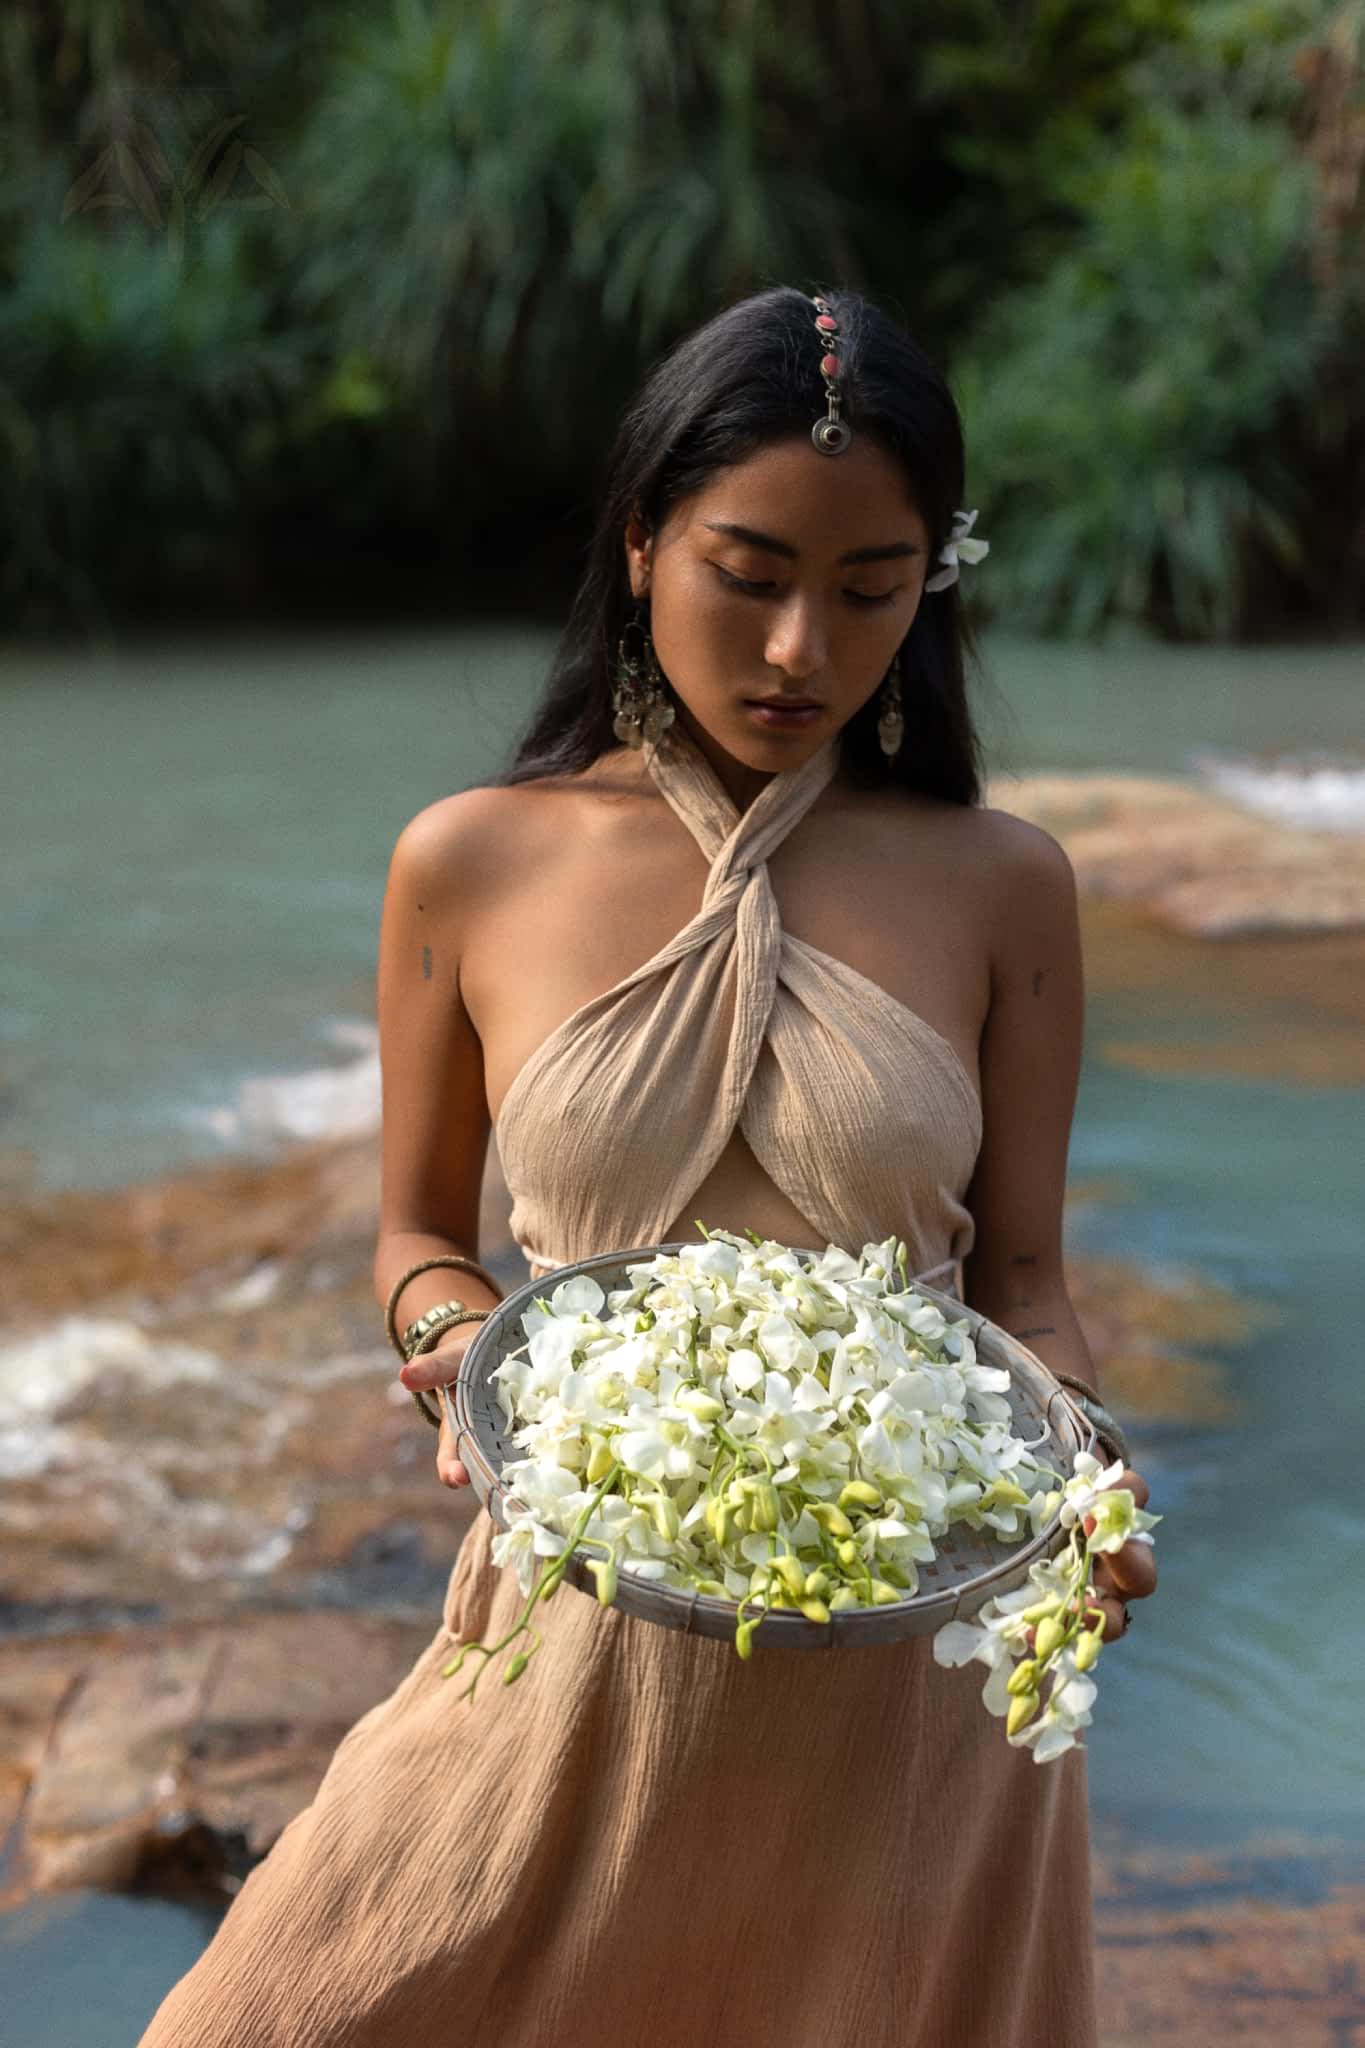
(797, 643)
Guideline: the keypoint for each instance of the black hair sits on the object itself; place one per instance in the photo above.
(748, 377)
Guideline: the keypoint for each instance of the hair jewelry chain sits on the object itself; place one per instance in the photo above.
(832, 435)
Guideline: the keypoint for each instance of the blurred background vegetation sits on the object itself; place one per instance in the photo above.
(335, 309)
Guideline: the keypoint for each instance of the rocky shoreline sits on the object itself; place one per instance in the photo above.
(1194, 859)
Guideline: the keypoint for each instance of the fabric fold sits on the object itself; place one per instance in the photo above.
(853, 1105)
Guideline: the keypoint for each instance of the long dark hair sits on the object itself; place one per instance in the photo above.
(748, 377)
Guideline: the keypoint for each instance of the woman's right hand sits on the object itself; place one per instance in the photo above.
(437, 1368)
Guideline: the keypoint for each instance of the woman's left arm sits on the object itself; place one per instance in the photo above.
(1030, 1068)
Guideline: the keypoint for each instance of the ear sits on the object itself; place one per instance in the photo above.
(639, 552)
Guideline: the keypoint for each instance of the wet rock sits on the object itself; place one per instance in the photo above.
(161, 1757)
(1289, 1008)
(1194, 859)
(1147, 1333)
(1261, 1943)
(224, 1421)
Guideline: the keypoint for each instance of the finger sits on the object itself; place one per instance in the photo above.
(433, 1369)
(1112, 1609)
(450, 1470)
(1098, 1600)
(1131, 1570)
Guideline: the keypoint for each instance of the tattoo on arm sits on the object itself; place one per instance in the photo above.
(1024, 1259)
(1037, 981)
(1043, 1330)
(426, 963)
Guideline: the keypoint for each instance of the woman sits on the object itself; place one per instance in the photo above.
(775, 968)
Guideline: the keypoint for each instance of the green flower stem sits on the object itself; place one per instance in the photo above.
(542, 1589)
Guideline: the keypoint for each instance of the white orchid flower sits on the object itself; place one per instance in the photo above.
(784, 1343)
(1066, 1712)
(958, 548)
(960, 1642)
(578, 1296)
(522, 1542)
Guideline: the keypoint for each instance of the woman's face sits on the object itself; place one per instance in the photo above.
(790, 575)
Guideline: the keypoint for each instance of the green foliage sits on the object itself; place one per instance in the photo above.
(1112, 409)
(130, 388)
(274, 276)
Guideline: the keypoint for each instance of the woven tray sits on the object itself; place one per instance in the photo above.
(971, 1565)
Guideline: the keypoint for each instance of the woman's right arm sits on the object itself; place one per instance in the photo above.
(435, 1130)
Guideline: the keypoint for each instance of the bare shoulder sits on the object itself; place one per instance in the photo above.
(465, 842)
(1030, 904)
(985, 846)
(1018, 852)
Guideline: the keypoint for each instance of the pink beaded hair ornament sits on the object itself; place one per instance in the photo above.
(832, 435)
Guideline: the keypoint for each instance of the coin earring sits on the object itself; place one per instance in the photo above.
(891, 724)
(639, 699)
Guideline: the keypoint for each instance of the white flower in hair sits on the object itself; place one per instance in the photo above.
(958, 548)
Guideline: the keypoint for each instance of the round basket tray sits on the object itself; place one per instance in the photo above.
(971, 1565)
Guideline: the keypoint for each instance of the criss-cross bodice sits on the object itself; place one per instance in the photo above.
(856, 1108)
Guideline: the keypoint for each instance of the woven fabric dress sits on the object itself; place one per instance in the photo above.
(645, 1842)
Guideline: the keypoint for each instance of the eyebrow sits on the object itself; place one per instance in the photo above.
(894, 551)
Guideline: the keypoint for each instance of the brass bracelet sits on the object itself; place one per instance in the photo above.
(429, 1343)
(444, 1311)
(456, 1259)
(1069, 1379)
(1107, 1430)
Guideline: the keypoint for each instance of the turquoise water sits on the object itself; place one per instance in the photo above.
(84, 1970)
(195, 843)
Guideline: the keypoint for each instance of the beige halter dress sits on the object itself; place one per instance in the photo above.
(646, 1842)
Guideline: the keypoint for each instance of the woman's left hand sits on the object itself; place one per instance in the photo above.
(1119, 1577)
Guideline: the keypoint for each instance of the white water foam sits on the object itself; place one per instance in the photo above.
(42, 1375)
(1321, 793)
(341, 1101)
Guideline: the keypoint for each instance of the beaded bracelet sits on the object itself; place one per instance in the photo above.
(444, 1312)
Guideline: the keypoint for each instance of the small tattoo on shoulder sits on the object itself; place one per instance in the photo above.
(1024, 1259)
(1042, 1330)
(1037, 981)
(426, 963)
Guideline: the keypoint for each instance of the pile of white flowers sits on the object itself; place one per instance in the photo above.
(739, 1423)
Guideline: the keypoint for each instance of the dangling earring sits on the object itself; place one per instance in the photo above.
(639, 698)
(891, 724)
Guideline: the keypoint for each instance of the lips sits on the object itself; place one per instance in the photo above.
(786, 703)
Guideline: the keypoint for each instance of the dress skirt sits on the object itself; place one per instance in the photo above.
(647, 1840)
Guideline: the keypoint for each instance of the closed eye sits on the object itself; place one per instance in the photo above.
(752, 589)
(742, 582)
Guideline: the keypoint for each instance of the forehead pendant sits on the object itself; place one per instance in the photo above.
(831, 435)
